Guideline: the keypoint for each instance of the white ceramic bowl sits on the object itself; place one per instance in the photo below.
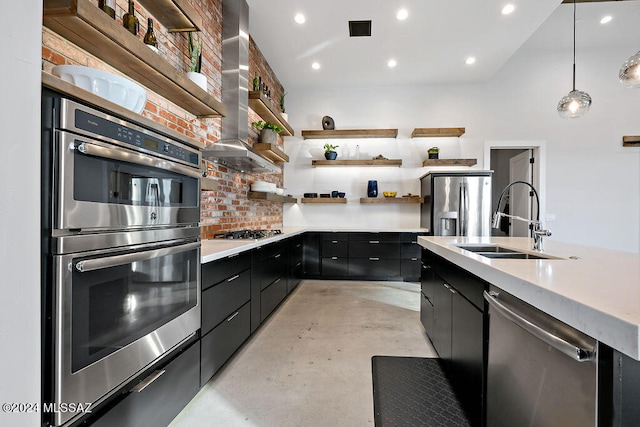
(116, 89)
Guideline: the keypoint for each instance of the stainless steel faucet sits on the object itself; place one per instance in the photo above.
(538, 231)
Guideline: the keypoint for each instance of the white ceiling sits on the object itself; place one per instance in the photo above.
(431, 45)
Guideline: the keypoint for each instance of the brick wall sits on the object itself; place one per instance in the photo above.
(227, 208)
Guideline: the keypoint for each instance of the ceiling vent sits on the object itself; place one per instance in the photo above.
(359, 28)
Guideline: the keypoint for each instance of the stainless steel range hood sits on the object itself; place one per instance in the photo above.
(233, 150)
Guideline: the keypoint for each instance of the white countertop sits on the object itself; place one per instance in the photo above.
(213, 249)
(598, 293)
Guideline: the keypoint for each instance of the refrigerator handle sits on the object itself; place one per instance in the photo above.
(463, 210)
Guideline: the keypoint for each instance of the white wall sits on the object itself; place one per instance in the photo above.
(19, 211)
(593, 182)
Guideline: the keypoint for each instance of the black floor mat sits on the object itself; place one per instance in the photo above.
(413, 391)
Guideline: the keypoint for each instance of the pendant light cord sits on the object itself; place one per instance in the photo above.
(574, 45)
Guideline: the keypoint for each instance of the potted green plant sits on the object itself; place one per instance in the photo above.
(329, 152)
(268, 131)
(195, 61)
(433, 152)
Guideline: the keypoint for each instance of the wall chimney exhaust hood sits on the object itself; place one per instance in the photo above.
(233, 149)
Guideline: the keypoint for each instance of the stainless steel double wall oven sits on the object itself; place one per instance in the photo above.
(121, 251)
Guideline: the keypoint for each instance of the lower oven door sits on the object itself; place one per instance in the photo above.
(118, 312)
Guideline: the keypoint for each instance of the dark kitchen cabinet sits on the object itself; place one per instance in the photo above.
(311, 254)
(334, 250)
(410, 257)
(226, 316)
(159, 402)
(295, 262)
(374, 256)
(452, 312)
(269, 278)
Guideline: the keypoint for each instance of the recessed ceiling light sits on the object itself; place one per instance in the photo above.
(606, 19)
(508, 9)
(315, 65)
(402, 14)
(392, 63)
(470, 60)
(299, 18)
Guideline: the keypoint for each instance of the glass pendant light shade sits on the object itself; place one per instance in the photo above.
(630, 71)
(574, 104)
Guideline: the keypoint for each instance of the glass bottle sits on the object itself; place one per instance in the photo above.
(129, 20)
(357, 152)
(150, 36)
(256, 82)
(108, 6)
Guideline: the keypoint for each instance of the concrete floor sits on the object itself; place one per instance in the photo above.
(309, 364)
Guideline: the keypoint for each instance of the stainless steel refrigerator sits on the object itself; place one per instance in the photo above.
(456, 203)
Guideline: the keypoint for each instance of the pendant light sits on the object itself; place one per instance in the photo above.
(576, 103)
(630, 71)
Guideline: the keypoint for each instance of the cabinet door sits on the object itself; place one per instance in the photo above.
(216, 271)
(271, 297)
(426, 314)
(442, 307)
(223, 299)
(335, 248)
(374, 267)
(374, 248)
(335, 267)
(467, 352)
(410, 269)
(311, 254)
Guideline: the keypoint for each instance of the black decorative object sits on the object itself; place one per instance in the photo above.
(328, 123)
(372, 188)
(330, 155)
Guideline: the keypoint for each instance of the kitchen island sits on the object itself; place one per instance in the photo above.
(596, 291)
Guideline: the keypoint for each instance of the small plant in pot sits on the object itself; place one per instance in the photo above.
(195, 61)
(268, 131)
(329, 152)
(433, 152)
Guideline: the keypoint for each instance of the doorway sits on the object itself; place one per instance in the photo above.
(516, 161)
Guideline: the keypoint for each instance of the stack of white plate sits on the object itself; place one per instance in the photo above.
(263, 186)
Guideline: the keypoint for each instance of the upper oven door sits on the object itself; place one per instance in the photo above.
(103, 186)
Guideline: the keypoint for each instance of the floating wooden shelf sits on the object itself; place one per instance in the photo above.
(350, 133)
(270, 151)
(175, 15)
(263, 107)
(270, 197)
(449, 162)
(324, 200)
(436, 132)
(388, 162)
(82, 23)
(208, 184)
(631, 141)
(403, 200)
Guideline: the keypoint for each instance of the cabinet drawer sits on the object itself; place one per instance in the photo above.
(382, 237)
(410, 250)
(374, 267)
(159, 402)
(335, 236)
(221, 300)
(219, 344)
(272, 296)
(410, 268)
(273, 268)
(331, 248)
(426, 314)
(335, 266)
(219, 270)
(374, 248)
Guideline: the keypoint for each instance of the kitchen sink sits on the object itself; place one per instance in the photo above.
(494, 251)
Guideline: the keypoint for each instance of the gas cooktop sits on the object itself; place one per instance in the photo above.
(247, 234)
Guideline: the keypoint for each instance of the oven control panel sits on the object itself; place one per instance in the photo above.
(130, 134)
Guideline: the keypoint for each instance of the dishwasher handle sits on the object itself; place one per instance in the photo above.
(575, 352)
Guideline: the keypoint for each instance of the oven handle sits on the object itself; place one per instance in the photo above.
(114, 261)
(137, 158)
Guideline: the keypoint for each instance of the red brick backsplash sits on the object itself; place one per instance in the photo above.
(228, 208)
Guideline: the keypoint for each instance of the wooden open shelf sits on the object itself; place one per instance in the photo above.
(208, 184)
(449, 162)
(271, 152)
(263, 107)
(388, 162)
(437, 132)
(631, 141)
(270, 197)
(175, 15)
(349, 133)
(82, 23)
(324, 200)
(402, 200)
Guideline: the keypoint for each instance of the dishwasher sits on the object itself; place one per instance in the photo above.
(540, 371)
